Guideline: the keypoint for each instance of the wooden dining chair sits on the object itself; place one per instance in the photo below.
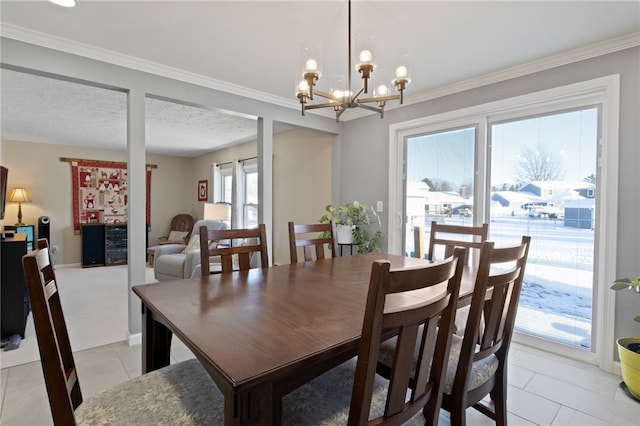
(253, 241)
(451, 236)
(477, 364)
(182, 391)
(313, 245)
(478, 360)
(341, 396)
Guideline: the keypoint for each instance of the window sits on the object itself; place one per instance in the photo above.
(585, 112)
(250, 193)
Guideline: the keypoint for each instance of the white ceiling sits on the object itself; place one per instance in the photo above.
(253, 47)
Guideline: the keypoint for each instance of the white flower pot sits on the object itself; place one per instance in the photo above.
(345, 234)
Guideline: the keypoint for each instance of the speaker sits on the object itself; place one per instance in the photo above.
(43, 227)
(93, 245)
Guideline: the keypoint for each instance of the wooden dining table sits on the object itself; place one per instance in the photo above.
(262, 333)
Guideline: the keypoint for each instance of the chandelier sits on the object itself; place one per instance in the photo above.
(342, 99)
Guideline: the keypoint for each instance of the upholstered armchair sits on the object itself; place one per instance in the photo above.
(178, 261)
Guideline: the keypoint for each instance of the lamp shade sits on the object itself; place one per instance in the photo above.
(19, 195)
(217, 211)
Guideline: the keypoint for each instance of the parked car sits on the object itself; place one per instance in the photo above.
(463, 210)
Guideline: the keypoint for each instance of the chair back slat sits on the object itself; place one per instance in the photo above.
(243, 252)
(313, 248)
(451, 236)
(434, 318)
(56, 356)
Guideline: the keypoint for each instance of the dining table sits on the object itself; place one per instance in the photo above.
(261, 333)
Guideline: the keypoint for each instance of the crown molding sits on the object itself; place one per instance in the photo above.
(571, 56)
(64, 45)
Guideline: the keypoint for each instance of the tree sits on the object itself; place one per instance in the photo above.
(438, 185)
(538, 165)
(591, 178)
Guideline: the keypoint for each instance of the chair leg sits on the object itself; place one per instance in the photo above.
(458, 416)
(499, 397)
(430, 414)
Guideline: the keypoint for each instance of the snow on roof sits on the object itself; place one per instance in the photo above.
(551, 184)
(519, 196)
(448, 197)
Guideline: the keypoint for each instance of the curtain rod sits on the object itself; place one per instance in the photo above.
(224, 164)
(246, 159)
(71, 160)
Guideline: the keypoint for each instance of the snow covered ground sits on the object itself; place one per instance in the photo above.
(556, 297)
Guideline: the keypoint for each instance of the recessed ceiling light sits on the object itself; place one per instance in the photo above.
(64, 3)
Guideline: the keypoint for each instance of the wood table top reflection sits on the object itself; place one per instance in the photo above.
(263, 332)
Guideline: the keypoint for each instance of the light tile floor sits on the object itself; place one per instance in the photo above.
(544, 389)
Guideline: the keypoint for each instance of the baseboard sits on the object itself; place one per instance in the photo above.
(69, 265)
(134, 339)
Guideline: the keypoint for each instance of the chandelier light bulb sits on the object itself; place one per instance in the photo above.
(365, 56)
(303, 86)
(382, 90)
(311, 65)
(401, 71)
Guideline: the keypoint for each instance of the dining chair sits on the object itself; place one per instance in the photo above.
(183, 391)
(477, 364)
(299, 236)
(252, 241)
(342, 396)
(478, 360)
(451, 236)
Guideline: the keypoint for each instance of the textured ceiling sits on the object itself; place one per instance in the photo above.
(451, 42)
(46, 110)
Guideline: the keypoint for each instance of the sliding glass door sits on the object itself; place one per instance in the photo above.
(543, 184)
(542, 165)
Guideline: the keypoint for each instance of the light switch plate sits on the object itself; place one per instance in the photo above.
(379, 207)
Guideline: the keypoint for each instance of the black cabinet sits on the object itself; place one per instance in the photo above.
(14, 297)
(28, 230)
(104, 244)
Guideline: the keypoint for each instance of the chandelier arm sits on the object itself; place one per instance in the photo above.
(379, 99)
(355, 97)
(325, 105)
(370, 108)
(339, 112)
(328, 96)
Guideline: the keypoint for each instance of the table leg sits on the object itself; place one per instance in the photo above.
(156, 343)
(254, 407)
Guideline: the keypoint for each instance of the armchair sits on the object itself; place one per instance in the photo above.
(178, 261)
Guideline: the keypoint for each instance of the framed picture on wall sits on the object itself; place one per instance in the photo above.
(203, 190)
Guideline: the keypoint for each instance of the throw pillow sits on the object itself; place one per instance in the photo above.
(194, 244)
(177, 237)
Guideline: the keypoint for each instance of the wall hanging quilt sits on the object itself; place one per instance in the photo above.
(100, 193)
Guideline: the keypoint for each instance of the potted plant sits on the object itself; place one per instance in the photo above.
(629, 347)
(352, 222)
